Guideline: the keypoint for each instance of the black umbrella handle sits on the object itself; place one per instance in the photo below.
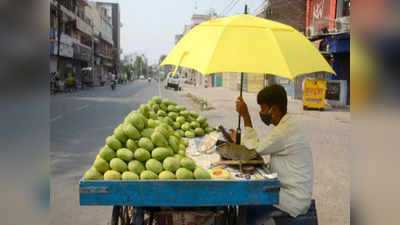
(238, 136)
(238, 131)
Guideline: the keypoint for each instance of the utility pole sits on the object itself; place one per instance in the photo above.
(270, 78)
(58, 35)
(92, 71)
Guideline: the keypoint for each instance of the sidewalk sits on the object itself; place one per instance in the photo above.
(223, 100)
(329, 135)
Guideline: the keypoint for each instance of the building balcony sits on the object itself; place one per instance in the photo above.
(103, 54)
(84, 2)
(84, 25)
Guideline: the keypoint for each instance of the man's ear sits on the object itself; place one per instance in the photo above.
(263, 108)
(273, 109)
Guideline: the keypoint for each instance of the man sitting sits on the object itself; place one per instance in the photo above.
(289, 150)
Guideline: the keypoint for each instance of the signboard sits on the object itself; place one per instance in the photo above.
(82, 53)
(333, 91)
(65, 50)
(319, 14)
(66, 42)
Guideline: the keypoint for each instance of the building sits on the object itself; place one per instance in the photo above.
(113, 10)
(191, 75)
(328, 26)
(70, 37)
(85, 33)
(290, 12)
(104, 48)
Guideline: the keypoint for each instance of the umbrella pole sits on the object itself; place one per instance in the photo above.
(238, 131)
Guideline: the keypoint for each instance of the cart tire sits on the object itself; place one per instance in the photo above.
(305, 108)
(321, 109)
(231, 215)
(115, 217)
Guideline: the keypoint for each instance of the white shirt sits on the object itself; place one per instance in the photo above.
(291, 158)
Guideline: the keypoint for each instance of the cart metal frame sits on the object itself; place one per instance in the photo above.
(132, 198)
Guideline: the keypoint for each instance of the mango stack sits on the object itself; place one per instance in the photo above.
(150, 144)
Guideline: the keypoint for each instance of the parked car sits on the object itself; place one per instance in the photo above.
(141, 77)
(174, 81)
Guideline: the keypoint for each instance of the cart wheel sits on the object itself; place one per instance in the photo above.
(321, 109)
(115, 217)
(305, 108)
(124, 215)
(231, 215)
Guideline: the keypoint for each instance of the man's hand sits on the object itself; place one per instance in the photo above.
(233, 135)
(241, 107)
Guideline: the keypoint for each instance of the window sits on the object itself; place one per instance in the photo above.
(268, 12)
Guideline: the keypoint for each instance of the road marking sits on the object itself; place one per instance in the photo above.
(81, 107)
(56, 118)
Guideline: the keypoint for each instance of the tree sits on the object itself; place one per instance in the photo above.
(162, 57)
(126, 68)
(138, 65)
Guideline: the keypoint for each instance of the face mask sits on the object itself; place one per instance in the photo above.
(266, 118)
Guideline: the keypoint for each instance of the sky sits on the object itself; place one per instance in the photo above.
(149, 26)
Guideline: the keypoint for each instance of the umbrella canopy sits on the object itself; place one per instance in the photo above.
(249, 44)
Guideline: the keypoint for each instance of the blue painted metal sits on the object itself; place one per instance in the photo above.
(179, 193)
(338, 43)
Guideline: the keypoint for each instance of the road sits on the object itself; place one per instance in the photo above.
(80, 122)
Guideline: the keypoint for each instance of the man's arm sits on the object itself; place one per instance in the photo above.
(273, 143)
(247, 120)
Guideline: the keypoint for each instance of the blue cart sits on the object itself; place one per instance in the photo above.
(131, 198)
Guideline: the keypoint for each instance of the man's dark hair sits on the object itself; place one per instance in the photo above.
(273, 95)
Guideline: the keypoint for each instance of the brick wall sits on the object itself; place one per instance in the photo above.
(290, 12)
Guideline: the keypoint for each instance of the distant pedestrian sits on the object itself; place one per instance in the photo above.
(70, 81)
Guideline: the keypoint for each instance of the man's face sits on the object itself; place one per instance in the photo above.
(265, 109)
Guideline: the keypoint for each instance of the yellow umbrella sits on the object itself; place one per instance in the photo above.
(247, 44)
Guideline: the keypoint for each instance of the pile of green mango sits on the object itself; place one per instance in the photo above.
(150, 144)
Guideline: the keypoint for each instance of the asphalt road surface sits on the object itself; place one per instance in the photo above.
(80, 122)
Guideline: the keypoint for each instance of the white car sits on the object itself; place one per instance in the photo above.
(141, 77)
(174, 81)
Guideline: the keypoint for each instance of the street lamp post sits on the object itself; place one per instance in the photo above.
(92, 72)
(58, 35)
